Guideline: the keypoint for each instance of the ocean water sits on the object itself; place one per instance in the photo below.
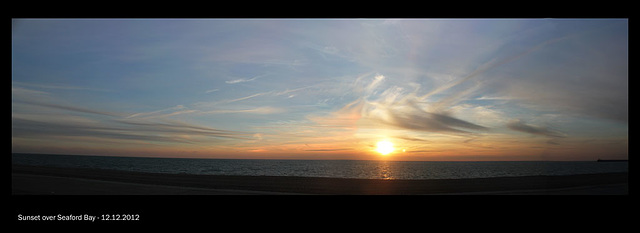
(324, 168)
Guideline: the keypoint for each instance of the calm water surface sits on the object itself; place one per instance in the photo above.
(324, 168)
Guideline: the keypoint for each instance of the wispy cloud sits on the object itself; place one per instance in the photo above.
(24, 93)
(143, 127)
(395, 107)
(347, 117)
(290, 91)
(583, 74)
(178, 127)
(243, 80)
(492, 64)
(86, 130)
(497, 98)
(413, 117)
(408, 109)
(59, 87)
(258, 110)
(227, 101)
(267, 93)
(179, 109)
(324, 150)
(212, 90)
(46, 129)
(521, 126)
(412, 139)
(68, 108)
(45, 99)
(246, 97)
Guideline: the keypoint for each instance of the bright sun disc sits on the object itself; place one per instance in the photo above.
(384, 147)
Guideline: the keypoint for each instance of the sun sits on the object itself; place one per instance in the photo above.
(384, 147)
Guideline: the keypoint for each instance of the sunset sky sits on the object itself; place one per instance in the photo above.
(435, 89)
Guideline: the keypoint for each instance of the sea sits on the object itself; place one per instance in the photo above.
(325, 168)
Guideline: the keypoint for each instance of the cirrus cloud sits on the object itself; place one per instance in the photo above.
(521, 126)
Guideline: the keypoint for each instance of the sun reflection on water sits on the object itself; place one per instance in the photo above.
(385, 171)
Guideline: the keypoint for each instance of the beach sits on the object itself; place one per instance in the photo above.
(34, 180)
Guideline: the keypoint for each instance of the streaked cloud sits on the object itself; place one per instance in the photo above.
(324, 150)
(242, 80)
(258, 110)
(178, 127)
(397, 107)
(179, 109)
(26, 128)
(263, 94)
(67, 107)
(521, 126)
(83, 129)
(212, 90)
(59, 87)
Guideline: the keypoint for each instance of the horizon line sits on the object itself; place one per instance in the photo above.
(313, 159)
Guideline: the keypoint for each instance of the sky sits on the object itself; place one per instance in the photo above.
(436, 89)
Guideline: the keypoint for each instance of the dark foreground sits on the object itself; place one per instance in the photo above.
(31, 180)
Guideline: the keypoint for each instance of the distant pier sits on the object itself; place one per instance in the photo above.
(613, 160)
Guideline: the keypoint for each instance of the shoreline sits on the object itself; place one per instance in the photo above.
(34, 180)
